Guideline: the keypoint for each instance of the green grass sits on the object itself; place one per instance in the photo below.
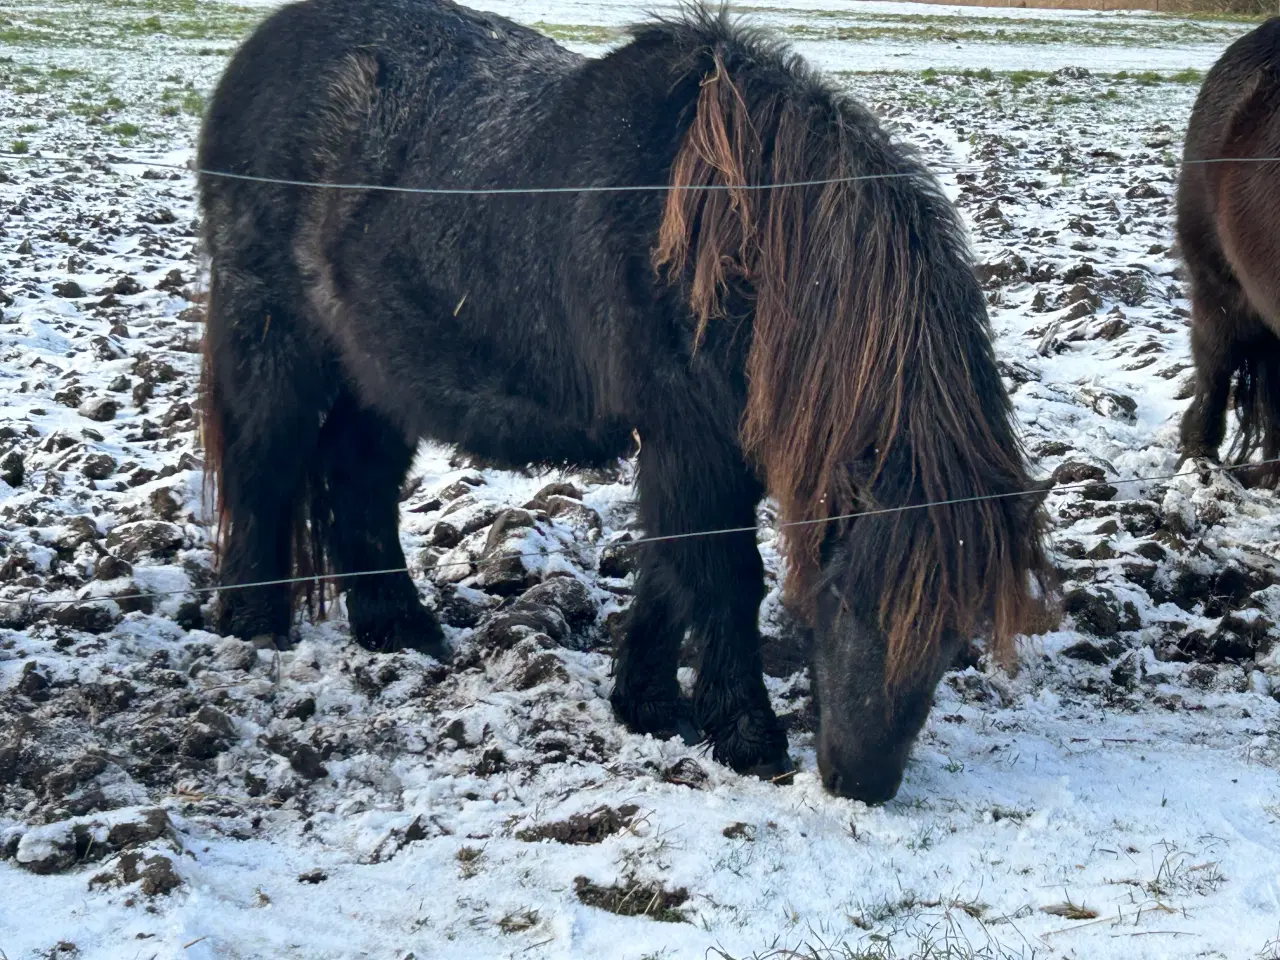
(925, 28)
(577, 33)
(19, 146)
(119, 24)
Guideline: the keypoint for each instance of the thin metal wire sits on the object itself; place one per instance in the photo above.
(957, 167)
(316, 578)
(644, 540)
(474, 191)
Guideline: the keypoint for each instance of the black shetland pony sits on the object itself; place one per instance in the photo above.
(1228, 227)
(824, 344)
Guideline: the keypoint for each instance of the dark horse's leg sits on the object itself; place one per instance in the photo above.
(711, 584)
(1222, 327)
(267, 396)
(363, 459)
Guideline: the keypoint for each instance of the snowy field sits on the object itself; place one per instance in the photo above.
(167, 793)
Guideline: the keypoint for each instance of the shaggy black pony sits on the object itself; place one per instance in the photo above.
(1229, 230)
(824, 344)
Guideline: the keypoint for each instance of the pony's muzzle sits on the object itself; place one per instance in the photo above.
(871, 780)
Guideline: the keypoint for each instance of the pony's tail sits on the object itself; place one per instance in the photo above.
(311, 519)
(212, 432)
(1256, 400)
(872, 384)
(1256, 390)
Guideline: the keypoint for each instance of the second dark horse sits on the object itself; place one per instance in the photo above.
(824, 344)
(1229, 231)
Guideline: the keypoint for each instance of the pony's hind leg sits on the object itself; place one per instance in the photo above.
(363, 459)
(711, 584)
(263, 401)
(1223, 326)
(1214, 352)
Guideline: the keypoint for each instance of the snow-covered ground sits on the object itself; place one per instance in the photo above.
(165, 792)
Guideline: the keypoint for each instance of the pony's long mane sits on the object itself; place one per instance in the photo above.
(872, 382)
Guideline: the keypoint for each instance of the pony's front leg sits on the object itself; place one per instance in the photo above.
(711, 584)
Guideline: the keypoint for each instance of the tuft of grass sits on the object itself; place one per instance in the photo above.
(469, 861)
(517, 921)
(633, 898)
(1070, 911)
(576, 32)
(192, 104)
(19, 146)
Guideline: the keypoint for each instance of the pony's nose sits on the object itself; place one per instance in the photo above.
(868, 786)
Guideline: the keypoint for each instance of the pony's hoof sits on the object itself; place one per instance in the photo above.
(271, 641)
(755, 745)
(1206, 454)
(781, 772)
(662, 719)
(419, 632)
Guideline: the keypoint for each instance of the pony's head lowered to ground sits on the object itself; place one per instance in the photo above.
(872, 386)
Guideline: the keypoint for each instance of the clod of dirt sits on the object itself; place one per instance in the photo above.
(739, 831)
(503, 524)
(111, 568)
(1108, 403)
(574, 512)
(632, 898)
(33, 682)
(1097, 611)
(91, 617)
(539, 501)
(1077, 471)
(583, 828)
(306, 762)
(506, 628)
(313, 876)
(1142, 191)
(1004, 269)
(100, 409)
(98, 466)
(492, 761)
(1111, 329)
(1237, 639)
(619, 559)
(59, 846)
(69, 290)
(506, 575)
(156, 873)
(13, 468)
(568, 595)
(686, 772)
(1088, 652)
(145, 538)
(303, 709)
(209, 733)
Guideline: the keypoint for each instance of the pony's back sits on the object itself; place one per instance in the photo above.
(1223, 110)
